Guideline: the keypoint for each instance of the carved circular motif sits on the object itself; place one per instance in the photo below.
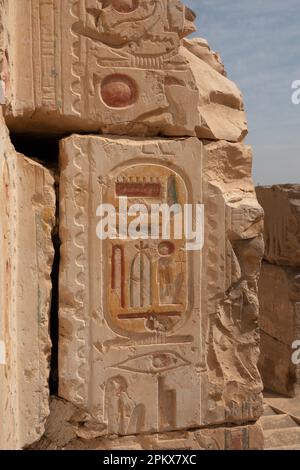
(161, 361)
(125, 6)
(119, 91)
(166, 248)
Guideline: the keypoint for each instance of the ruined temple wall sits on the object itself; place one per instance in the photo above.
(140, 360)
(63, 64)
(27, 203)
(131, 351)
(279, 288)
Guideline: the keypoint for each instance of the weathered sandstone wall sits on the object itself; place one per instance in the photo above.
(279, 287)
(27, 208)
(158, 346)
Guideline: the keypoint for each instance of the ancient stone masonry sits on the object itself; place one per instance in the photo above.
(158, 344)
(282, 227)
(27, 205)
(280, 287)
(67, 429)
(232, 264)
(130, 350)
(101, 66)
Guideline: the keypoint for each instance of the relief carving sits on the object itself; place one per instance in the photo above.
(118, 68)
(148, 278)
(156, 340)
(140, 338)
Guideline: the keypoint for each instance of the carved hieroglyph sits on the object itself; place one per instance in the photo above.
(152, 337)
(129, 309)
(69, 429)
(27, 208)
(118, 67)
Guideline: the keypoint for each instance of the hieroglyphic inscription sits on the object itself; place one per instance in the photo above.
(137, 326)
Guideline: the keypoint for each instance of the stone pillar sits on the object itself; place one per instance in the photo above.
(279, 289)
(27, 208)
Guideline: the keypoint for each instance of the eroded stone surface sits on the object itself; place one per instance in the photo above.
(118, 69)
(275, 365)
(282, 223)
(199, 342)
(232, 255)
(154, 340)
(280, 287)
(130, 321)
(27, 205)
(200, 48)
(69, 429)
(4, 66)
(279, 296)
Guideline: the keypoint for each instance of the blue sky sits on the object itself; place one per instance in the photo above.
(259, 41)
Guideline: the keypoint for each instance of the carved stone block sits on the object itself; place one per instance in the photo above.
(105, 67)
(130, 320)
(279, 296)
(232, 255)
(282, 225)
(157, 340)
(27, 208)
(68, 429)
(154, 338)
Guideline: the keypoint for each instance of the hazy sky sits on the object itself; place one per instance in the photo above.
(259, 41)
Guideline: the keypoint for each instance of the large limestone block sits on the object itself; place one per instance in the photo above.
(69, 429)
(130, 323)
(175, 347)
(282, 223)
(232, 257)
(117, 67)
(279, 297)
(275, 365)
(27, 208)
